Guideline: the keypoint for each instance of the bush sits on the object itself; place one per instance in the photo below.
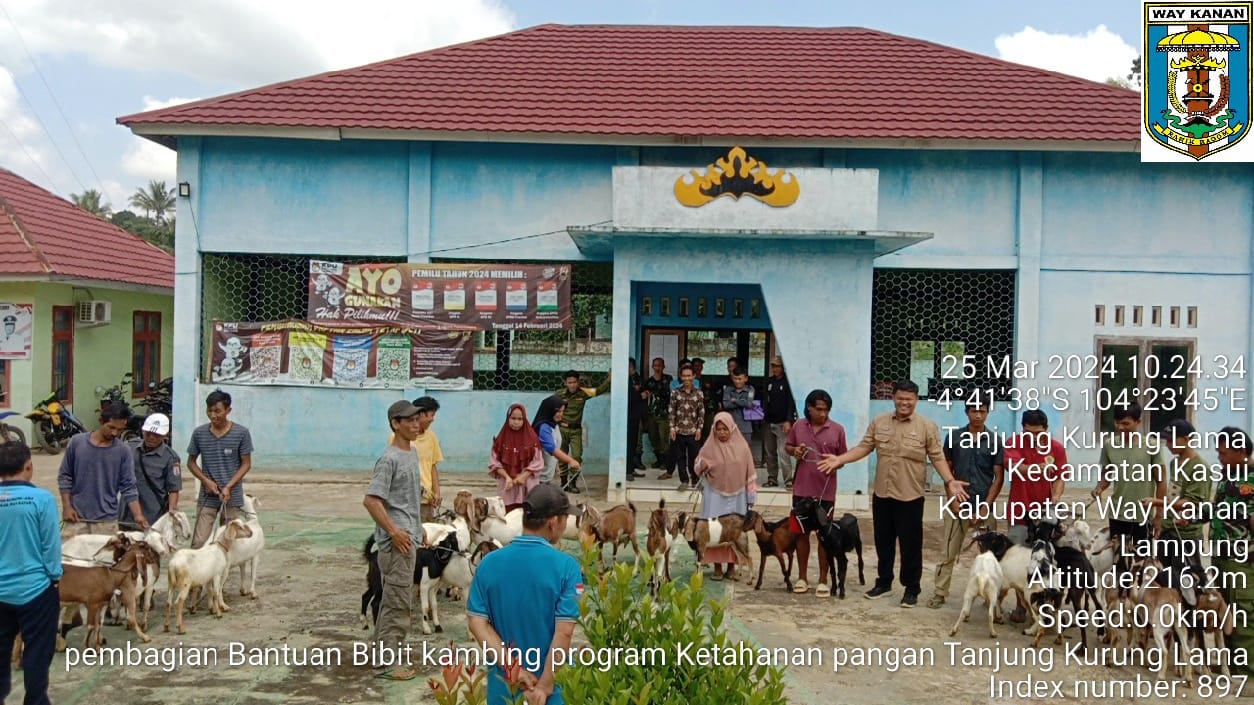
(620, 616)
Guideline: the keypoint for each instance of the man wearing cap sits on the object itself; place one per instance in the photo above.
(11, 342)
(394, 501)
(158, 473)
(526, 597)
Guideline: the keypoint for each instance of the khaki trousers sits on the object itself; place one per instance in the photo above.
(396, 608)
(953, 534)
(205, 517)
(78, 528)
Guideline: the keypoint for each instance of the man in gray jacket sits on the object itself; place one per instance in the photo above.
(737, 397)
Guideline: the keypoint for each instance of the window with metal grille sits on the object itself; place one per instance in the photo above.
(145, 351)
(534, 360)
(921, 317)
(255, 288)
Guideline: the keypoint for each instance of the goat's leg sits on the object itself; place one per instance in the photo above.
(182, 604)
(252, 576)
(992, 616)
(425, 609)
(217, 606)
(965, 614)
(95, 621)
(434, 601)
(169, 603)
(132, 622)
(858, 547)
(762, 569)
(786, 571)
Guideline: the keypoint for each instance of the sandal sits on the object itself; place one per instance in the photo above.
(403, 673)
(823, 590)
(936, 602)
(800, 587)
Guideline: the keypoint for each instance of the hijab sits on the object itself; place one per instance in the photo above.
(730, 464)
(515, 449)
(546, 412)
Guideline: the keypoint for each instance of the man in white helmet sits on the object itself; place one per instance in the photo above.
(158, 472)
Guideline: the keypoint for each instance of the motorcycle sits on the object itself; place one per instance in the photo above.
(54, 424)
(158, 400)
(10, 433)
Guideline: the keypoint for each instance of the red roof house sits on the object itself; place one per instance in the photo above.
(681, 85)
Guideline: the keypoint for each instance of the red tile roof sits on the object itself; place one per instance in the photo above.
(780, 83)
(47, 236)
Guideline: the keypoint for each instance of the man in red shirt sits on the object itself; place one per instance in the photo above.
(1036, 466)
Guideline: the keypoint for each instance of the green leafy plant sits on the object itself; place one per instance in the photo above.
(460, 684)
(621, 615)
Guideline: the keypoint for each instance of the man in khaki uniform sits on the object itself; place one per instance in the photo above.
(903, 442)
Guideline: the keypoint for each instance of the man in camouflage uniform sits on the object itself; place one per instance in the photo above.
(657, 394)
(1236, 489)
(575, 395)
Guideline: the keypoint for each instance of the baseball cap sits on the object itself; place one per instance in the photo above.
(401, 410)
(157, 423)
(544, 501)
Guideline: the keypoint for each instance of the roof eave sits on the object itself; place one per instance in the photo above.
(168, 134)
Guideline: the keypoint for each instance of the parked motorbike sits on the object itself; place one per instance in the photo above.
(160, 399)
(54, 425)
(10, 433)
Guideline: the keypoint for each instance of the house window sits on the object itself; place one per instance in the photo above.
(145, 351)
(63, 351)
(1154, 373)
(5, 385)
(922, 317)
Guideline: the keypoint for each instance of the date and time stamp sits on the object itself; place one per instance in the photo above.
(1174, 384)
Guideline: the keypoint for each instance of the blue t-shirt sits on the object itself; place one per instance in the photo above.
(524, 590)
(30, 542)
(548, 438)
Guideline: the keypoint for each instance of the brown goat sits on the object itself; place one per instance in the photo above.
(473, 509)
(1214, 623)
(732, 530)
(662, 534)
(617, 526)
(94, 587)
(774, 539)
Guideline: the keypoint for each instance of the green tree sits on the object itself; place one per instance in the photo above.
(160, 234)
(92, 202)
(155, 201)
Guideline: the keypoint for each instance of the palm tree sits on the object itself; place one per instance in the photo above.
(91, 201)
(155, 201)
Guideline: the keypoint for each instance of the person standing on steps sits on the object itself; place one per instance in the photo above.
(575, 395)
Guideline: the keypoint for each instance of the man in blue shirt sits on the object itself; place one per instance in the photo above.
(525, 599)
(30, 569)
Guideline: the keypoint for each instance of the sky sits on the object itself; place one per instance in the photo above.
(69, 68)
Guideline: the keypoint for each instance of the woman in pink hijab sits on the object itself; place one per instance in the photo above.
(731, 483)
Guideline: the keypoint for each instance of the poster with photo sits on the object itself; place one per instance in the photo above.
(371, 357)
(15, 330)
(440, 296)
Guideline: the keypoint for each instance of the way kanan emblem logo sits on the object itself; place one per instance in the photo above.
(1197, 75)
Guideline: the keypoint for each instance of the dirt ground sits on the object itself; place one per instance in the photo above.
(311, 577)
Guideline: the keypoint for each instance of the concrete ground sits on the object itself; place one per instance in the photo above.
(311, 577)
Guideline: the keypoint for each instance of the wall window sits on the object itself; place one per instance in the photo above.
(1154, 373)
(63, 351)
(918, 316)
(145, 351)
(5, 385)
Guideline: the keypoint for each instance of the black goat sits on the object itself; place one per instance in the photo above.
(434, 559)
(838, 538)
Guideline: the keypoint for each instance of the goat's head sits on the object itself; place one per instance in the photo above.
(1047, 529)
(1077, 535)
(1041, 564)
(251, 505)
(483, 549)
(495, 506)
(119, 543)
(658, 521)
(237, 529)
(993, 541)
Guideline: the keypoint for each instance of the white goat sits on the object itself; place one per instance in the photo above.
(985, 582)
(163, 537)
(246, 551)
(500, 526)
(458, 573)
(204, 566)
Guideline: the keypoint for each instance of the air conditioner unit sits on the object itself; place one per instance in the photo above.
(94, 313)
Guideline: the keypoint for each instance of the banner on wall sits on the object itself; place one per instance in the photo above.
(368, 357)
(16, 324)
(447, 296)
